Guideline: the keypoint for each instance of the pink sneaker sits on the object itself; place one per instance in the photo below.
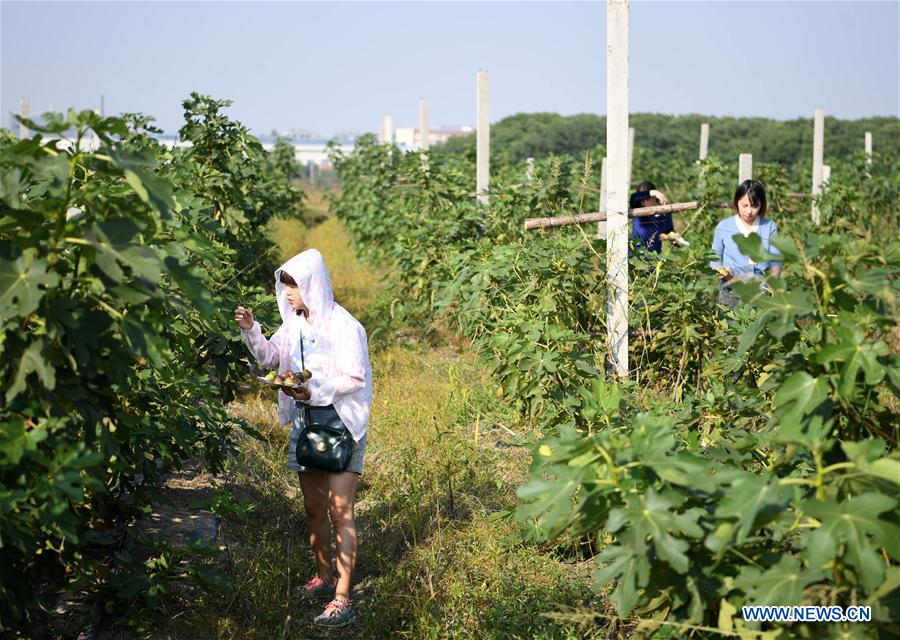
(315, 587)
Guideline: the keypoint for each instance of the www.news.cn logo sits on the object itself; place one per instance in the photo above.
(806, 614)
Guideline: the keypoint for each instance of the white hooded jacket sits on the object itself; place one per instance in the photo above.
(346, 380)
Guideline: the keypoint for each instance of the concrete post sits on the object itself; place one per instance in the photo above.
(869, 149)
(826, 175)
(423, 125)
(630, 158)
(529, 170)
(386, 134)
(24, 108)
(617, 137)
(704, 140)
(745, 167)
(93, 143)
(818, 158)
(482, 137)
(601, 226)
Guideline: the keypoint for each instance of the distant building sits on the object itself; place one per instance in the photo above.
(312, 151)
(295, 134)
(306, 150)
(411, 137)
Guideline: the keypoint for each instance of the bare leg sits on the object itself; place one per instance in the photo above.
(315, 500)
(343, 493)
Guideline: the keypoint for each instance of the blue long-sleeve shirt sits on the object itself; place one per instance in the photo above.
(647, 229)
(731, 257)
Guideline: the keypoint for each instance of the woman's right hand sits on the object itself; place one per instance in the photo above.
(244, 318)
(300, 393)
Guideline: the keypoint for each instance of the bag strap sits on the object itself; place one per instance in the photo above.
(303, 368)
(302, 363)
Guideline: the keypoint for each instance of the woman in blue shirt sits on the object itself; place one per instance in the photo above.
(749, 217)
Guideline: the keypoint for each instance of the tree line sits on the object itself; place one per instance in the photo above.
(785, 142)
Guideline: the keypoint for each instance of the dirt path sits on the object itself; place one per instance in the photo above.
(434, 558)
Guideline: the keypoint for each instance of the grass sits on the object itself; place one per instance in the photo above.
(437, 559)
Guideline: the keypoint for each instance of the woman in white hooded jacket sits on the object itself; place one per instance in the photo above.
(335, 351)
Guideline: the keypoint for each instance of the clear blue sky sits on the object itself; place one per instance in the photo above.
(340, 66)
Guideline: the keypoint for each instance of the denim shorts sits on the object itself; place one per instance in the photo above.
(726, 296)
(357, 451)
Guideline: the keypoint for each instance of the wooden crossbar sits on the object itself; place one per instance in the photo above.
(599, 216)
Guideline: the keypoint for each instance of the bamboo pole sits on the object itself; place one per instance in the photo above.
(598, 216)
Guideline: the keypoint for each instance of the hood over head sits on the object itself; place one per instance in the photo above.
(309, 272)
